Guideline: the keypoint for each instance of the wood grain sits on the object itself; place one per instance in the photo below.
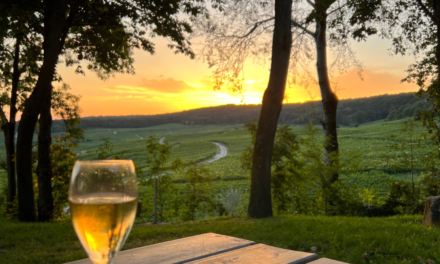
(259, 254)
(327, 261)
(179, 251)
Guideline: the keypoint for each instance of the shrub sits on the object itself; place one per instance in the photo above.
(63, 159)
(232, 202)
(430, 183)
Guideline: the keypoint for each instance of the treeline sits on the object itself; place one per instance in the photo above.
(350, 111)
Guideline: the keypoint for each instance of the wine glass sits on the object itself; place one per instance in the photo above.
(103, 202)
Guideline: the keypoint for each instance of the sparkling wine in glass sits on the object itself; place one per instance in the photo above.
(103, 202)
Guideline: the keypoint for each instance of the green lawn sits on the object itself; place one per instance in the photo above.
(385, 240)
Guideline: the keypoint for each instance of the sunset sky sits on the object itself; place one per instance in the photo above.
(166, 82)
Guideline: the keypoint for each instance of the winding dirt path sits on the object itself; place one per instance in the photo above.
(221, 154)
(223, 151)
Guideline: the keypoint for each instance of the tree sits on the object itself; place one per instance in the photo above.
(103, 34)
(160, 179)
(260, 201)
(65, 105)
(44, 167)
(315, 24)
(196, 196)
(105, 150)
(19, 66)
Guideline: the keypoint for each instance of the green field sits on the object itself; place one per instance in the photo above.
(194, 142)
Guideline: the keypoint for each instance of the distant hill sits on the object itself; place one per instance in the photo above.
(350, 111)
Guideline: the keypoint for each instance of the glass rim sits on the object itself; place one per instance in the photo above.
(105, 161)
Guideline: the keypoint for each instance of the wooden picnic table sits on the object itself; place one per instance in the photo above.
(213, 248)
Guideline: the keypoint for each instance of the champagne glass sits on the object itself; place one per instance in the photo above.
(103, 203)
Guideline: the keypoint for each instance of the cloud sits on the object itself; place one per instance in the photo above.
(168, 85)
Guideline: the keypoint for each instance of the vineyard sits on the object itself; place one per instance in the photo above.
(194, 142)
(374, 148)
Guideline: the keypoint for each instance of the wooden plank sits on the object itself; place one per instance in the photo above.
(259, 254)
(178, 251)
(327, 261)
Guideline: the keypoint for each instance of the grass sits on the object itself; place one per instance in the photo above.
(385, 240)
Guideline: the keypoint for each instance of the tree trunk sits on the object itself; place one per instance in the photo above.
(54, 20)
(44, 168)
(9, 127)
(260, 203)
(10, 162)
(155, 200)
(329, 98)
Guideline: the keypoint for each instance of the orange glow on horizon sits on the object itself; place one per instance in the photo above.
(166, 83)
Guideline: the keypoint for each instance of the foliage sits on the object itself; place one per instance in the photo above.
(409, 151)
(62, 158)
(365, 143)
(157, 157)
(20, 56)
(285, 165)
(370, 198)
(337, 198)
(105, 150)
(430, 183)
(232, 201)
(66, 105)
(403, 198)
(300, 175)
(104, 45)
(195, 198)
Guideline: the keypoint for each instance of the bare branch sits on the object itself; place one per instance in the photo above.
(311, 3)
(427, 12)
(256, 25)
(298, 25)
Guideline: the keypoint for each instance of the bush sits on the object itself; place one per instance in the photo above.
(430, 183)
(232, 202)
